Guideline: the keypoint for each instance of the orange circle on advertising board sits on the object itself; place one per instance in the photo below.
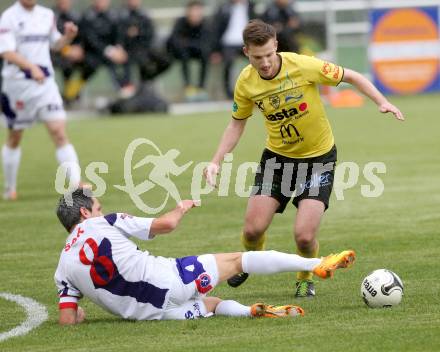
(402, 75)
(405, 25)
(407, 77)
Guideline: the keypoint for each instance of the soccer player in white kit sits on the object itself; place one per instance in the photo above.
(100, 262)
(27, 33)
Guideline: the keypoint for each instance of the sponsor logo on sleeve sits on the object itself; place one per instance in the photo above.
(336, 75)
(326, 68)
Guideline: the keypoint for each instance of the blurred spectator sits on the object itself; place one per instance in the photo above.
(229, 22)
(190, 39)
(136, 35)
(70, 57)
(1, 67)
(285, 19)
(99, 33)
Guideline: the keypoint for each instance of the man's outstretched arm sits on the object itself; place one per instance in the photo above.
(229, 140)
(169, 221)
(368, 88)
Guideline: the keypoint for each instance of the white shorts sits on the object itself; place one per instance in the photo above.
(193, 278)
(24, 101)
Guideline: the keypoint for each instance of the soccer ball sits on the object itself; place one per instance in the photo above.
(382, 288)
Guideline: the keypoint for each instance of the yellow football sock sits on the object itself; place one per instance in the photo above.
(258, 245)
(72, 88)
(307, 275)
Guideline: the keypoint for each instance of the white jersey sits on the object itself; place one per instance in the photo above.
(29, 33)
(101, 263)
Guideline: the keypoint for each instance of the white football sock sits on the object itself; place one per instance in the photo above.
(272, 262)
(11, 161)
(68, 159)
(232, 309)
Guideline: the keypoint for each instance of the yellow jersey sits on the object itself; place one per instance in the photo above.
(295, 119)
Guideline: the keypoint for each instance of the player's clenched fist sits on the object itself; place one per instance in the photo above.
(37, 73)
(187, 204)
(210, 172)
(70, 30)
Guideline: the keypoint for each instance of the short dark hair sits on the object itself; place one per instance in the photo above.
(69, 205)
(258, 33)
(193, 3)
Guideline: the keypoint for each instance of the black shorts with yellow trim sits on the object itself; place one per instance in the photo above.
(285, 178)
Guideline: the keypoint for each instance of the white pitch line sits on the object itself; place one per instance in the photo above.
(36, 315)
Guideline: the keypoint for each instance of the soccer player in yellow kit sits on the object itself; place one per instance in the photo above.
(300, 153)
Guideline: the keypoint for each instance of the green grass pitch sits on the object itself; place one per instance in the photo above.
(399, 230)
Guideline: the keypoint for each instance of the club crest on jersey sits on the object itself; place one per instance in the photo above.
(274, 100)
(203, 283)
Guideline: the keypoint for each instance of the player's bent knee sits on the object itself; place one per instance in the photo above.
(57, 131)
(59, 137)
(252, 233)
(14, 139)
(211, 303)
(237, 259)
(13, 143)
(228, 264)
(305, 242)
(233, 259)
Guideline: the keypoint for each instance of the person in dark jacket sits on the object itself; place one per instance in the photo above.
(1, 66)
(136, 34)
(190, 39)
(229, 22)
(69, 59)
(285, 19)
(99, 33)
